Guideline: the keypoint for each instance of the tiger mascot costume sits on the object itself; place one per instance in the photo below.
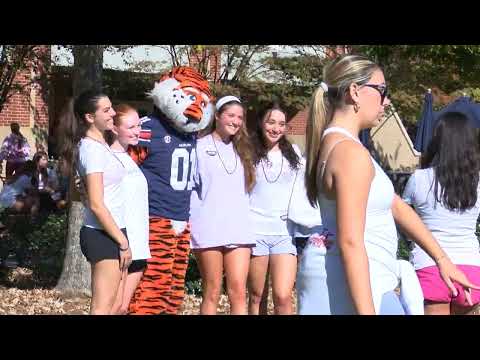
(166, 155)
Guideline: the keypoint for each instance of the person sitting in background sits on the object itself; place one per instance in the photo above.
(45, 182)
(61, 196)
(15, 150)
(16, 193)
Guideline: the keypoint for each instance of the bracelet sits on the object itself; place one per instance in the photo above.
(128, 247)
(440, 258)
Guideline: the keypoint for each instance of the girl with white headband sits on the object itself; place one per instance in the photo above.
(219, 215)
(357, 201)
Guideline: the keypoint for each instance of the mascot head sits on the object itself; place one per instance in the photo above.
(184, 97)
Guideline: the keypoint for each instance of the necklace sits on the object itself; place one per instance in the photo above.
(108, 148)
(98, 141)
(221, 160)
(265, 174)
(118, 148)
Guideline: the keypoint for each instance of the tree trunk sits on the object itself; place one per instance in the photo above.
(75, 278)
(87, 68)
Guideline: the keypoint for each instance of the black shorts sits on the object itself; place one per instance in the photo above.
(300, 243)
(137, 266)
(97, 245)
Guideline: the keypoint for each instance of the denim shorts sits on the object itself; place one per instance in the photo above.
(274, 245)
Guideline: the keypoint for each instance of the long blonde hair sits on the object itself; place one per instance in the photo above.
(338, 75)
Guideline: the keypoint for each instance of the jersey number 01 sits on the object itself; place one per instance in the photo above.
(188, 162)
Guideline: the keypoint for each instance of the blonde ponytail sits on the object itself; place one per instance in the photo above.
(338, 76)
(318, 118)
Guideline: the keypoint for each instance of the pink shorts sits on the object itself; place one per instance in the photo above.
(435, 290)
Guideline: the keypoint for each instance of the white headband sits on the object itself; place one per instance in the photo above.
(324, 86)
(222, 101)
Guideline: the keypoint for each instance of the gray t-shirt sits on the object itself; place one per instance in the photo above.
(95, 157)
(454, 230)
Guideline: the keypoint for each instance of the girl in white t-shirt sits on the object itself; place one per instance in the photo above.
(277, 162)
(126, 130)
(103, 238)
(445, 194)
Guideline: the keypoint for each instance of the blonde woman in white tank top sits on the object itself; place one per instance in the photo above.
(358, 205)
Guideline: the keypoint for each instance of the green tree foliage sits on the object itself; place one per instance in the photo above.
(412, 69)
(38, 244)
(258, 75)
(14, 59)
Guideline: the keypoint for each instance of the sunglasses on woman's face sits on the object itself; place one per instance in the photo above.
(382, 89)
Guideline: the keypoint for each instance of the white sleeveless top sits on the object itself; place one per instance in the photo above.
(380, 236)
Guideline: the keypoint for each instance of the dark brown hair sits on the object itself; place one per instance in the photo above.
(454, 155)
(260, 144)
(73, 126)
(36, 171)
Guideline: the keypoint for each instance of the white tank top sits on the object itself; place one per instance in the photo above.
(380, 236)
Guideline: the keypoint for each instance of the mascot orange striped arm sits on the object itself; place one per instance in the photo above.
(166, 155)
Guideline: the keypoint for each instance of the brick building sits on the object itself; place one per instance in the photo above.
(30, 106)
(44, 94)
(297, 126)
(209, 60)
(36, 109)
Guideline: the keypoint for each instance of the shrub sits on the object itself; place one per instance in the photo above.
(38, 244)
(193, 282)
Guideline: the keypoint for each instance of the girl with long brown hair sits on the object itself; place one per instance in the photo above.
(103, 238)
(277, 162)
(221, 231)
